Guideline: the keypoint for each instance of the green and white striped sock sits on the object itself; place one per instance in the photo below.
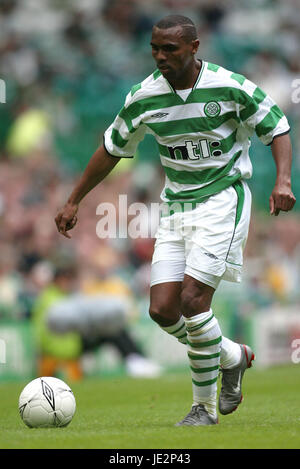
(230, 351)
(204, 338)
(177, 330)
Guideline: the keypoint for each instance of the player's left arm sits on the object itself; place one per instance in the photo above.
(282, 197)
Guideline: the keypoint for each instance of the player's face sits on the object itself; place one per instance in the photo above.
(172, 53)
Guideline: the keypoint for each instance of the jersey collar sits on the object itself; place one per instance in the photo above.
(196, 82)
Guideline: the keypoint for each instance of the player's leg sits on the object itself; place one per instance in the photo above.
(204, 344)
(167, 272)
(204, 339)
(165, 310)
(216, 249)
(232, 374)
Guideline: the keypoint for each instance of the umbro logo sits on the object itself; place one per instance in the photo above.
(48, 393)
(209, 254)
(160, 114)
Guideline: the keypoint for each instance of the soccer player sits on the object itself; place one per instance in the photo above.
(202, 117)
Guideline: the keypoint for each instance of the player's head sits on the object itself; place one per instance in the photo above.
(65, 277)
(174, 44)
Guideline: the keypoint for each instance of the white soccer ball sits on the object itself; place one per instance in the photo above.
(47, 402)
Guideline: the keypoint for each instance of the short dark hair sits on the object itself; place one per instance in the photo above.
(65, 270)
(187, 25)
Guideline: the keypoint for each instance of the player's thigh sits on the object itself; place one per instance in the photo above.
(167, 272)
(168, 260)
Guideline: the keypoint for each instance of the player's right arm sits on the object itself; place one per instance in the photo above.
(99, 166)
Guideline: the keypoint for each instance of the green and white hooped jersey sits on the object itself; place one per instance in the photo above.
(203, 141)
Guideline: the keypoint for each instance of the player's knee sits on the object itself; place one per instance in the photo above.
(162, 315)
(154, 315)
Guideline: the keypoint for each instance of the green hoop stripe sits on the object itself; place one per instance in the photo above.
(205, 344)
(117, 139)
(177, 330)
(239, 78)
(205, 383)
(181, 336)
(204, 357)
(204, 370)
(135, 88)
(199, 326)
(204, 192)
(190, 125)
(269, 122)
(253, 106)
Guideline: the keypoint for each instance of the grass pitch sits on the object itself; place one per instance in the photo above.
(125, 413)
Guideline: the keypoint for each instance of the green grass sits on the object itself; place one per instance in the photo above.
(125, 413)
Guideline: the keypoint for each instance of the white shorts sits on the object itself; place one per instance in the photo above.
(206, 243)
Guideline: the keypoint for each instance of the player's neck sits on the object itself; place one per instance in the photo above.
(190, 77)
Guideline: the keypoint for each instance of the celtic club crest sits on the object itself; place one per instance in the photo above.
(212, 109)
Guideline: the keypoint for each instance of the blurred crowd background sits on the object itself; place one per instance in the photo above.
(67, 66)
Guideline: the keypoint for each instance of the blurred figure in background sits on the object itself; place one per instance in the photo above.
(54, 350)
(68, 324)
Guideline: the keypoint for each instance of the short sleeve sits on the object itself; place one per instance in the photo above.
(121, 139)
(262, 114)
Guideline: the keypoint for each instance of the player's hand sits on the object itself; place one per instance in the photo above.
(66, 219)
(282, 198)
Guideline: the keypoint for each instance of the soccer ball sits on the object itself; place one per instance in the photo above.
(47, 402)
